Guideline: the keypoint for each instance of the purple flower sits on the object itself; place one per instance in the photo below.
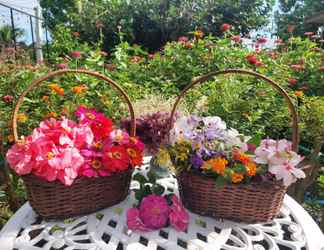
(196, 161)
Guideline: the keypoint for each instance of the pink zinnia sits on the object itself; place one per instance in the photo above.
(7, 98)
(179, 218)
(225, 27)
(262, 40)
(61, 66)
(309, 33)
(183, 39)
(154, 211)
(76, 54)
(236, 39)
(297, 67)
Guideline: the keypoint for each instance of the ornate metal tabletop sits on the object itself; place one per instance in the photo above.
(106, 230)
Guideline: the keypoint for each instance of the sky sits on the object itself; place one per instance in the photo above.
(20, 20)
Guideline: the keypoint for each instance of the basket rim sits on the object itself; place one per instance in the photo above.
(31, 178)
(264, 184)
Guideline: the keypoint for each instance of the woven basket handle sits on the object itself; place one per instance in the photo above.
(38, 81)
(276, 87)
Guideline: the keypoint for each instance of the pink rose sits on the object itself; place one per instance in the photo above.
(134, 222)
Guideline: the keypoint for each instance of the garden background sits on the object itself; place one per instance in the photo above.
(153, 49)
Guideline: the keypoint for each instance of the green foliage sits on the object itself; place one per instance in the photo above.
(152, 23)
(295, 13)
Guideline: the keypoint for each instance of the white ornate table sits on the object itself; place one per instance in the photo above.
(293, 229)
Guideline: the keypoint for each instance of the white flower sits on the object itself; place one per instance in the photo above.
(287, 170)
(182, 129)
(234, 138)
(214, 122)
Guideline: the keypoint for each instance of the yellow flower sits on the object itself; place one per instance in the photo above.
(22, 118)
(45, 98)
(217, 165)
(162, 158)
(236, 178)
(182, 157)
(51, 114)
(251, 169)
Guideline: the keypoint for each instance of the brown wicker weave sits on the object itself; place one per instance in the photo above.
(53, 200)
(250, 203)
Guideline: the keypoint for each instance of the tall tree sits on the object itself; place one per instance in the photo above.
(294, 13)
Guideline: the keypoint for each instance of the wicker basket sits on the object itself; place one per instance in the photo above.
(249, 203)
(53, 200)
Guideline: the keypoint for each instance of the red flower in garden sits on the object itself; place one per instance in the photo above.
(76, 34)
(292, 81)
(262, 40)
(236, 39)
(225, 27)
(115, 158)
(189, 45)
(297, 67)
(309, 34)
(7, 98)
(321, 68)
(61, 66)
(76, 54)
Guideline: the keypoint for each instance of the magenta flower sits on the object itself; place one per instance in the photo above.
(134, 221)
(62, 66)
(7, 98)
(154, 211)
(75, 54)
(179, 218)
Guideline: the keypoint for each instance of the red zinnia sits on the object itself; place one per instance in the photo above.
(225, 27)
(61, 66)
(292, 81)
(251, 59)
(115, 158)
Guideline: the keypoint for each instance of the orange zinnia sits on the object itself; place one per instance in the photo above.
(251, 169)
(240, 156)
(217, 165)
(236, 178)
(79, 89)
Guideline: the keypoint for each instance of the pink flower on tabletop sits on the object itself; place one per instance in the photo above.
(262, 40)
(62, 66)
(225, 27)
(297, 67)
(75, 54)
(93, 166)
(179, 218)
(134, 221)
(309, 34)
(154, 211)
(20, 158)
(292, 81)
(236, 39)
(287, 170)
(8, 98)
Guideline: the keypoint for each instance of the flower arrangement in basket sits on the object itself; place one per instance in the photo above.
(222, 174)
(73, 168)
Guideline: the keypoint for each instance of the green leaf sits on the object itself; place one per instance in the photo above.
(140, 178)
(240, 168)
(256, 140)
(158, 189)
(152, 177)
(147, 190)
(220, 181)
